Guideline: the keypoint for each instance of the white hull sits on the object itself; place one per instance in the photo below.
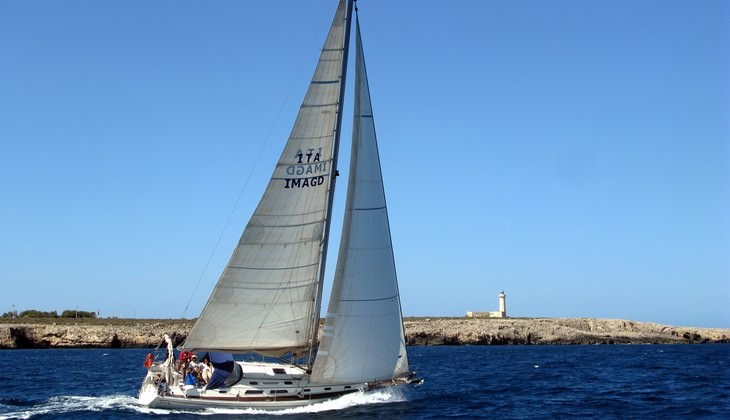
(266, 386)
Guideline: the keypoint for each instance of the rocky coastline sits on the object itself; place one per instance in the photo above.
(114, 333)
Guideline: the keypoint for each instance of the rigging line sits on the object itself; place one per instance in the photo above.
(240, 194)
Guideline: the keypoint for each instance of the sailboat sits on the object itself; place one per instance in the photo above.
(267, 301)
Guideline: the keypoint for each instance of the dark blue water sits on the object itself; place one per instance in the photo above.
(610, 381)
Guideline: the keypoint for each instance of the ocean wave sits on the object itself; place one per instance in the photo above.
(18, 409)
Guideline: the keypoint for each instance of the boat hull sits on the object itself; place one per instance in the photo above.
(262, 386)
(270, 403)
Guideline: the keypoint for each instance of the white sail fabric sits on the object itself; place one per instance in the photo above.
(363, 336)
(266, 297)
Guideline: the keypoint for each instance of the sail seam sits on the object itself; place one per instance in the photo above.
(303, 164)
(310, 138)
(324, 82)
(319, 105)
(272, 268)
(282, 178)
(288, 226)
(369, 300)
(304, 213)
(368, 208)
(266, 288)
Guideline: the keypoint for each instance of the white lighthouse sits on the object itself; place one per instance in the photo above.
(502, 304)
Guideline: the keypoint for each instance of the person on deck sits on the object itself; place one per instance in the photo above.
(206, 369)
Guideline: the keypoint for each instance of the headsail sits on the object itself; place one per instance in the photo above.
(266, 299)
(363, 336)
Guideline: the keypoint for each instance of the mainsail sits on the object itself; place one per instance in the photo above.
(363, 333)
(267, 298)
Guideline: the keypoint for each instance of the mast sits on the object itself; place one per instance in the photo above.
(333, 179)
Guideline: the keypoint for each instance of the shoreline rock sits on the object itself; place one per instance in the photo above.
(541, 331)
(80, 335)
(419, 332)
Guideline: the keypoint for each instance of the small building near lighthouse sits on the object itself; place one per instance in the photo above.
(501, 313)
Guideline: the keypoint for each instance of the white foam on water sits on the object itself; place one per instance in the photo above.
(348, 400)
(71, 403)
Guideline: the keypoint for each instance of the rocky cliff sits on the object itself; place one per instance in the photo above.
(114, 334)
(476, 331)
(419, 331)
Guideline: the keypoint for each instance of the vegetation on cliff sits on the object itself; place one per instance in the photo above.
(33, 313)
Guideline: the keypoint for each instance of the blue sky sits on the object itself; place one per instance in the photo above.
(574, 153)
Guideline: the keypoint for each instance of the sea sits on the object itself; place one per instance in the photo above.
(606, 381)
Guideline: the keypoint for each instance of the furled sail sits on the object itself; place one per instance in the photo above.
(363, 336)
(265, 300)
